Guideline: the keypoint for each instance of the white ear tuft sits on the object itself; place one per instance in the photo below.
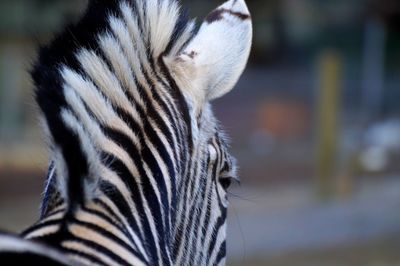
(216, 57)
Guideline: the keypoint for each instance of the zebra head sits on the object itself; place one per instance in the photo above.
(141, 166)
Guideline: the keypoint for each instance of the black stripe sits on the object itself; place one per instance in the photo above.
(148, 190)
(109, 236)
(220, 225)
(52, 213)
(206, 224)
(85, 256)
(120, 227)
(177, 94)
(179, 29)
(112, 215)
(207, 212)
(40, 226)
(115, 195)
(97, 247)
(182, 240)
(221, 254)
(216, 15)
(28, 258)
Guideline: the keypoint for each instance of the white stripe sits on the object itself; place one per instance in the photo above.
(149, 215)
(97, 135)
(91, 154)
(127, 42)
(123, 70)
(49, 180)
(91, 235)
(221, 236)
(100, 106)
(139, 243)
(90, 218)
(106, 81)
(14, 244)
(115, 180)
(48, 230)
(79, 247)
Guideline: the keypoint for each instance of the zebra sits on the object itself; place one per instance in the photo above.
(140, 166)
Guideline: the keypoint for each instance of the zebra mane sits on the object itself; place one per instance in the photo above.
(84, 54)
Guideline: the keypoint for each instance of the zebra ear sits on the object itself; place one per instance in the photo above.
(217, 55)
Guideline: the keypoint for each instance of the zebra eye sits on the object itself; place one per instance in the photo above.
(225, 182)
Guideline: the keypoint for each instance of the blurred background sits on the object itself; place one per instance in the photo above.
(314, 122)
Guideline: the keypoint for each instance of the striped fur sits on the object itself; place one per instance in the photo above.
(17, 251)
(139, 164)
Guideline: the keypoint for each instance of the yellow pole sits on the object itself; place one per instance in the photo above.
(327, 121)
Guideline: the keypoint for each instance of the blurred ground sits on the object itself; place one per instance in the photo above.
(287, 224)
(20, 194)
(380, 252)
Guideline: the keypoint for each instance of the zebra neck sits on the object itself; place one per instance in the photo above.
(118, 231)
